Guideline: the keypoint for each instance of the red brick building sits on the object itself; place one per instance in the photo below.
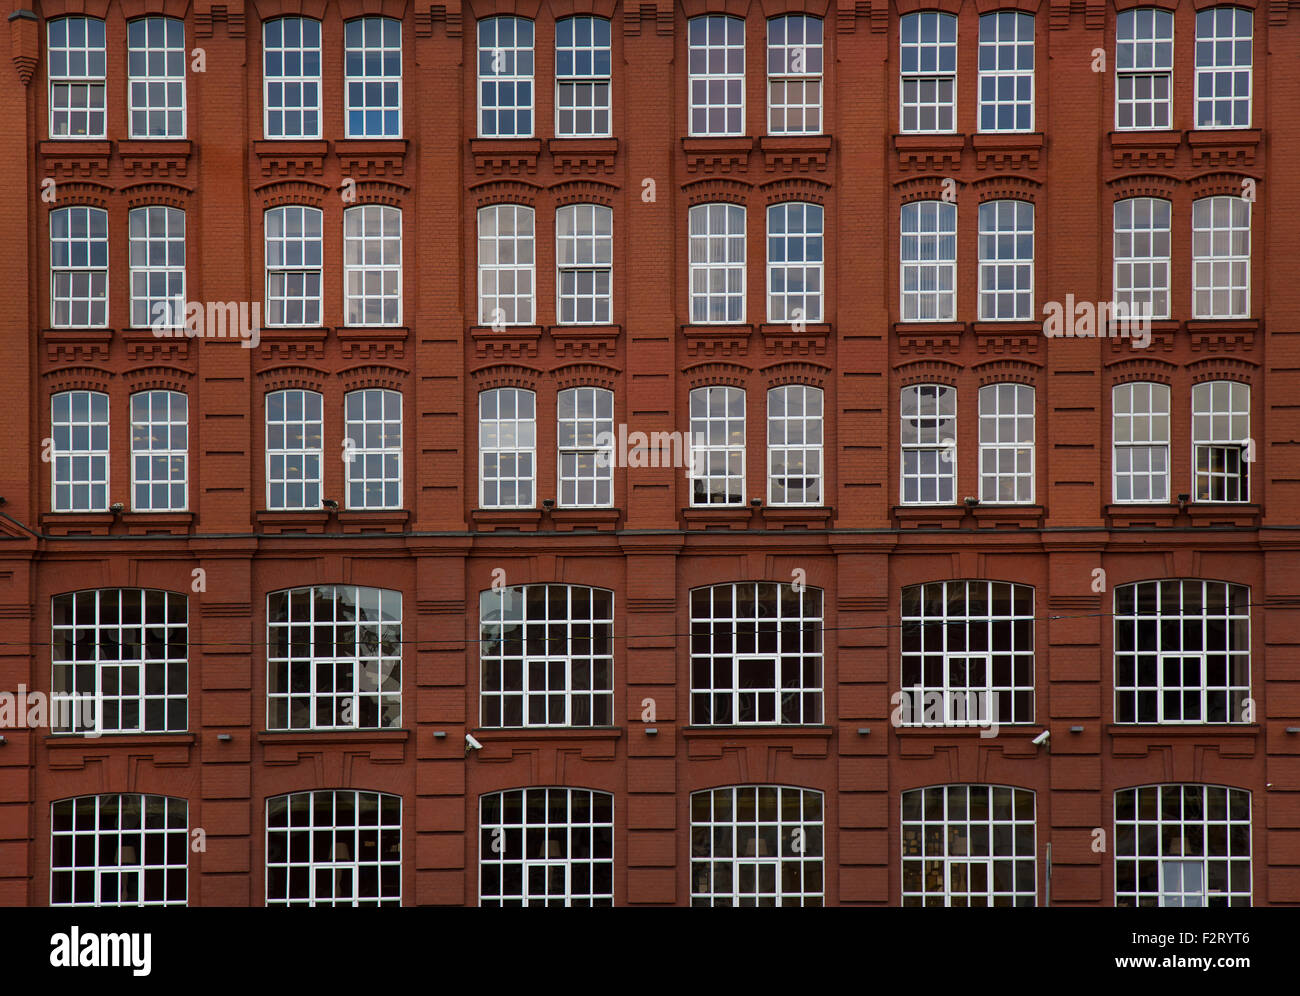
(353, 602)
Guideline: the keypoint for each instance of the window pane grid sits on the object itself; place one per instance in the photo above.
(794, 75)
(294, 432)
(507, 448)
(1007, 444)
(1141, 250)
(372, 265)
(123, 653)
(547, 656)
(757, 845)
(969, 845)
(373, 423)
(795, 258)
(546, 847)
(119, 850)
(929, 261)
(157, 252)
(1182, 845)
(971, 643)
(1221, 257)
(505, 77)
(1223, 67)
(929, 445)
(334, 658)
(77, 69)
(1006, 261)
(156, 77)
(506, 265)
(756, 655)
(1144, 68)
(291, 68)
(372, 60)
(928, 81)
(1182, 652)
(79, 428)
(585, 430)
(79, 267)
(1140, 432)
(582, 77)
(717, 446)
(159, 451)
(584, 255)
(293, 266)
(334, 848)
(1006, 73)
(1221, 441)
(794, 445)
(717, 254)
(717, 75)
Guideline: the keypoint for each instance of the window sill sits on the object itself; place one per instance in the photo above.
(785, 340)
(1011, 150)
(1125, 516)
(76, 741)
(79, 345)
(990, 516)
(72, 751)
(155, 158)
(304, 737)
(293, 342)
(929, 152)
(277, 522)
(505, 155)
(291, 157)
(728, 339)
(158, 523)
(930, 337)
(490, 520)
(583, 155)
(1024, 731)
(1240, 514)
(795, 153)
(365, 520)
(512, 342)
(1224, 335)
(585, 340)
(1151, 149)
(795, 516)
(371, 158)
(77, 523)
(70, 158)
(373, 342)
(516, 733)
(719, 517)
(568, 519)
(709, 742)
(929, 516)
(1145, 731)
(1007, 337)
(1224, 147)
(142, 344)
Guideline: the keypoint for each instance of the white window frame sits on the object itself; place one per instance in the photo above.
(519, 244)
(370, 256)
(129, 845)
(153, 230)
(153, 621)
(1005, 226)
(92, 79)
(1007, 416)
(796, 254)
(1143, 29)
(520, 443)
(1142, 232)
(159, 448)
(345, 839)
(373, 447)
(1134, 429)
(364, 622)
(585, 617)
(85, 254)
(1215, 27)
(573, 81)
(1161, 623)
(303, 80)
(490, 53)
(926, 227)
(576, 826)
(794, 65)
(968, 843)
(794, 443)
(703, 58)
(1215, 403)
(1220, 247)
(718, 233)
(374, 54)
(81, 451)
(784, 822)
(1005, 36)
(710, 407)
(926, 62)
(582, 249)
(758, 618)
(306, 425)
(584, 415)
(1218, 807)
(926, 415)
(299, 257)
(164, 67)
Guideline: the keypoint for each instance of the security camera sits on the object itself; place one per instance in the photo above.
(330, 503)
(117, 507)
(971, 501)
(1042, 738)
(471, 743)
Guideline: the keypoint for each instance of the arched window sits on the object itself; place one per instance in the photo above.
(156, 76)
(372, 64)
(1141, 250)
(584, 258)
(795, 259)
(294, 431)
(373, 423)
(507, 265)
(507, 435)
(928, 81)
(79, 464)
(159, 451)
(77, 74)
(505, 77)
(794, 75)
(1007, 444)
(794, 445)
(291, 61)
(294, 261)
(928, 280)
(78, 267)
(583, 66)
(157, 250)
(716, 61)
(119, 850)
(372, 265)
(1144, 69)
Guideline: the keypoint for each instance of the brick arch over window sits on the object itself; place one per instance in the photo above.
(505, 375)
(505, 192)
(1008, 188)
(293, 192)
(78, 379)
(82, 194)
(1221, 368)
(1143, 185)
(784, 191)
(375, 375)
(151, 194)
(717, 191)
(396, 9)
(1007, 372)
(584, 192)
(380, 192)
(1219, 184)
(293, 377)
(73, 8)
(991, 6)
(596, 8)
(698, 8)
(159, 378)
(717, 375)
(1123, 5)
(1146, 369)
(312, 9)
(1250, 5)
(928, 372)
(925, 188)
(912, 6)
(810, 374)
(585, 375)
